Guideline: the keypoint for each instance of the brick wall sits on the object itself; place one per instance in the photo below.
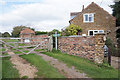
(90, 47)
(80, 46)
(41, 39)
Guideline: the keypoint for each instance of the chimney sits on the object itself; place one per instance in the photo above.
(83, 8)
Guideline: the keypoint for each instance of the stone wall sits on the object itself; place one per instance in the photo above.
(90, 47)
(80, 46)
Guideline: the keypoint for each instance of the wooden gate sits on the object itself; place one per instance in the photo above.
(11, 44)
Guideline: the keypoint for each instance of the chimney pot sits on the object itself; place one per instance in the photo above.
(83, 8)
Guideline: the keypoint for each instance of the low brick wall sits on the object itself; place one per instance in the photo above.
(80, 46)
(90, 47)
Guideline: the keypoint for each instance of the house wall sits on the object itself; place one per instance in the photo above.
(102, 21)
(90, 47)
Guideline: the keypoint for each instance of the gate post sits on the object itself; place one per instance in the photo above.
(50, 43)
(99, 48)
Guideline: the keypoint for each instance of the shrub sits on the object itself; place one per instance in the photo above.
(25, 77)
(111, 46)
(56, 51)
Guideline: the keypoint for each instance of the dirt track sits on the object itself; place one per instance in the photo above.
(62, 68)
(23, 66)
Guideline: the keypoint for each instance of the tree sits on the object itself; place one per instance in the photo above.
(17, 29)
(6, 34)
(40, 32)
(53, 31)
(0, 34)
(72, 30)
(116, 12)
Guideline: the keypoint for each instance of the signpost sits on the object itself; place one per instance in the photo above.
(56, 35)
(56, 40)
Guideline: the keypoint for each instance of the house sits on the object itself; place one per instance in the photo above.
(94, 19)
(27, 35)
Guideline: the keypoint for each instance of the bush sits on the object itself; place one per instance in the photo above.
(56, 51)
(25, 77)
(114, 51)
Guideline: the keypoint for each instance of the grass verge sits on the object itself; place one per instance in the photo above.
(44, 69)
(5, 54)
(84, 65)
(10, 40)
(7, 69)
(37, 50)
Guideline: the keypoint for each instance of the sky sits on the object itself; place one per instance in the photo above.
(42, 15)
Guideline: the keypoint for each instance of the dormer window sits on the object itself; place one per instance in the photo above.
(88, 17)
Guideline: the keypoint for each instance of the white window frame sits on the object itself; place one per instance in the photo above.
(26, 40)
(98, 31)
(84, 18)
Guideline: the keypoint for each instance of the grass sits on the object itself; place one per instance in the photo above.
(31, 47)
(4, 54)
(84, 65)
(20, 48)
(2, 49)
(17, 48)
(22, 44)
(11, 44)
(7, 69)
(10, 40)
(17, 52)
(37, 50)
(26, 51)
(44, 69)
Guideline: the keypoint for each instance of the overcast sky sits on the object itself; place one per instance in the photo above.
(43, 15)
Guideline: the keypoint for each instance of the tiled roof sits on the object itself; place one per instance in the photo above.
(27, 31)
(74, 13)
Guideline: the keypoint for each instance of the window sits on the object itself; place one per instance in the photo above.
(101, 31)
(88, 17)
(93, 32)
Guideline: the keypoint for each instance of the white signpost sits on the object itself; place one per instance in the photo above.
(56, 35)
(56, 40)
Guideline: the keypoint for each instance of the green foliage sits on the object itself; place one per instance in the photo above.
(30, 47)
(22, 44)
(2, 49)
(37, 50)
(40, 32)
(56, 51)
(5, 54)
(26, 51)
(6, 34)
(111, 46)
(0, 34)
(72, 30)
(44, 69)
(17, 29)
(84, 65)
(8, 71)
(116, 12)
(118, 33)
(25, 77)
(53, 32)
(17, 52)
(10, 40)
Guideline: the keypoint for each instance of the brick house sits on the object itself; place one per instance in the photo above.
(25, 34)
(28, 35)
(94, 19)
